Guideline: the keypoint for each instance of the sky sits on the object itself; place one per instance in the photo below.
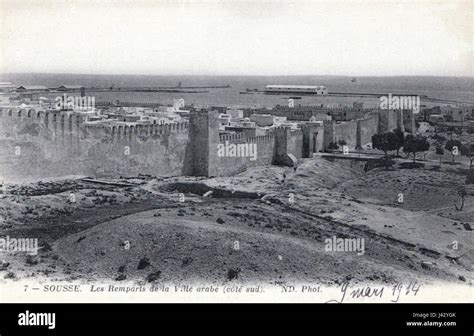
(352, 38)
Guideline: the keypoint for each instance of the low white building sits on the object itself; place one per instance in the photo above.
(235, 113)
(224, 120)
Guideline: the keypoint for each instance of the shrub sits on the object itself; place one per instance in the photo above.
(451, 146)
(385, 142)
(414, 144)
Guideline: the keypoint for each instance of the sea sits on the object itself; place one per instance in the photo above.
(454, 89)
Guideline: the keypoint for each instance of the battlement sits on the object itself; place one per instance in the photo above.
(131, 133)
(58, 120)
(240, 137)
(40, 116)
(231, 137)
(262, 138)
(147, 130)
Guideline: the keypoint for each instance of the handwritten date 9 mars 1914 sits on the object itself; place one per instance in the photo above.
(394, 291)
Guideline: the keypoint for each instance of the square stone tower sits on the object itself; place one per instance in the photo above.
(204, 138)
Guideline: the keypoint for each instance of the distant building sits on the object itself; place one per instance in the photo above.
(247, 127)
(235, 113)
(224, 120)
(305, 112)
(267, 120)
(70, 88)
(28, 97)
(458, 113)
(32, 88)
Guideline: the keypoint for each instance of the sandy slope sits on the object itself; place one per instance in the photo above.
(278, 239)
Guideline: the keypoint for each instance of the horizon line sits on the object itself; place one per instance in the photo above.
(220, 75)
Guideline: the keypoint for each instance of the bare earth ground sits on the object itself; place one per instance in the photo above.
(147, 232)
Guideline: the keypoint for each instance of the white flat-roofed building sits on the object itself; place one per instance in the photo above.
(235, 113)
(224, 120)
(308, 89)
